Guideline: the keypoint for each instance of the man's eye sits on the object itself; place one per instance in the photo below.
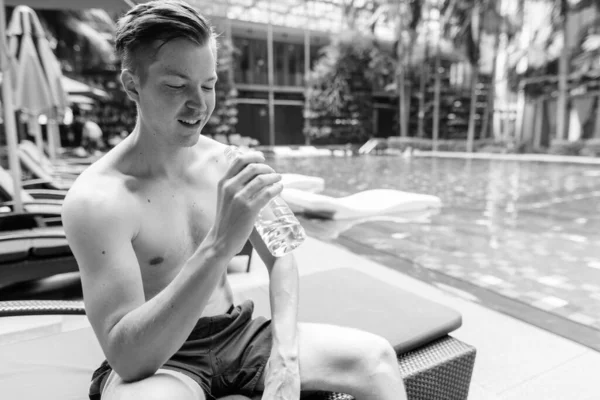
(207, 88)
(176, 86)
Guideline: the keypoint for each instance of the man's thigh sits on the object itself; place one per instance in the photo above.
(330, 356)
(165, 384)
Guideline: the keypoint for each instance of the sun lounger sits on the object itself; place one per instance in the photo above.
(78, 156)
(7, 193)
(435, 366)
(42, 177)
(32, 252)
(43, 202)
(59, 166)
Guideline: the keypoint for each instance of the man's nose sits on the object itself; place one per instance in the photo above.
(197, 99)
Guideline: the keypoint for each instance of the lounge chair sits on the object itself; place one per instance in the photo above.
(78, 155)
(39, 201)
(45, 177)
(434, 365)
(29, 250)
(59, 166)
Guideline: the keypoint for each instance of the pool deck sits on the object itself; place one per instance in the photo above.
(511, 157)
(515, 360)
(313, 151)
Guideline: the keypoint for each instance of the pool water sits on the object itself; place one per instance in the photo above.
(528, 232)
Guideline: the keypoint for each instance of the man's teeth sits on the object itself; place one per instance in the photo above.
(190, 121)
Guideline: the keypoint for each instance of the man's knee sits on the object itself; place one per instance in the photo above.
(164, 385)
(376, 354)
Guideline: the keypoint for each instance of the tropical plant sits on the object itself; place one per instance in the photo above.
(471, 20)
(406, 17)
(446, 10)
(339, 94)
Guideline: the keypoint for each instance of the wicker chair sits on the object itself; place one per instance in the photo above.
(440, 369)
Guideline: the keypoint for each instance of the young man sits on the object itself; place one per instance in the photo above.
(153, 225)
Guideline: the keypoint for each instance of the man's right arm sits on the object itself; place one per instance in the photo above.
(137, 336)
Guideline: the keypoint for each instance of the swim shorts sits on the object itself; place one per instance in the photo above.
(225, 354)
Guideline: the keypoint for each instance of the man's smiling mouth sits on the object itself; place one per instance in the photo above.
(190, 122)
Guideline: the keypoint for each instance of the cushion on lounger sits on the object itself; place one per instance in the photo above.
(50, 248)
(13, 252)
(58, 365)
(348, 297)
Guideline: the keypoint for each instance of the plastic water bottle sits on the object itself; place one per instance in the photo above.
(276, 223)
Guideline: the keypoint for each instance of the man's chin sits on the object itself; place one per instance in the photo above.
(191, 139)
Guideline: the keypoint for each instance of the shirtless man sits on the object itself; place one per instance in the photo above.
(153, 225)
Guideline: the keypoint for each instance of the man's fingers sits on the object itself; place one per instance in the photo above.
(251, 171)
(263, 196)
(259, 182)
(240, 161)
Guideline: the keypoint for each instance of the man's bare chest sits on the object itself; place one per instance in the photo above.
(173, 224)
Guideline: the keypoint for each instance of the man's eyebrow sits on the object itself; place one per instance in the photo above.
(171, 71)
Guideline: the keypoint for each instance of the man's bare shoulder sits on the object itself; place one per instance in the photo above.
(100, 193)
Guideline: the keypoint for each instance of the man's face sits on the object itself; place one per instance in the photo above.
(178, 95)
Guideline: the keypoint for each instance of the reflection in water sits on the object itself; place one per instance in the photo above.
(526, 230)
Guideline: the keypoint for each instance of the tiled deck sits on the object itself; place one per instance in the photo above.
(514, 359)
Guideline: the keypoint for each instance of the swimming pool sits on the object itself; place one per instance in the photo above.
(518, 236)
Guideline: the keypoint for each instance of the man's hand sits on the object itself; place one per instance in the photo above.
(282, 378)
(246, 188)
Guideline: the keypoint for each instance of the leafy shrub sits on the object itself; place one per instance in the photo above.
(591, 148)
(565, 147)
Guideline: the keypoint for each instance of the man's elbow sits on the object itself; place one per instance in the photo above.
(132, 370)
(130, 363)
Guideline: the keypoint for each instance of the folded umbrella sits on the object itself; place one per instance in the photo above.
(32, 94)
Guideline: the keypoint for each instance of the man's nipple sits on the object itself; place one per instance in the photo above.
(157, 260)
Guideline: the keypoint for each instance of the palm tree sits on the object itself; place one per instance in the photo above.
(446, 10)
(406, 16)
(471, 19)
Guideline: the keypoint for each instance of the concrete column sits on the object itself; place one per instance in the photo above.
(271, 80)
(306, 76)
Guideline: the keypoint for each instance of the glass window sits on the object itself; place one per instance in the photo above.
(259, 62)
(279, 56)
(242, 61)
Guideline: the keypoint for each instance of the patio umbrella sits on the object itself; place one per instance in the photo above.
(7, 65)
(33, 96)
(54, 76)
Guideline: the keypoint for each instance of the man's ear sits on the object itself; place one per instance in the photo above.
(130, 83)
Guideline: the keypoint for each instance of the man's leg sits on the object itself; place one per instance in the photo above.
(346, 360)
(165, 384)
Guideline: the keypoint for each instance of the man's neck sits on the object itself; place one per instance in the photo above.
(152, 157)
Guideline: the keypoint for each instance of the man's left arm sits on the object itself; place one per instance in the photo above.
(282, 375)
